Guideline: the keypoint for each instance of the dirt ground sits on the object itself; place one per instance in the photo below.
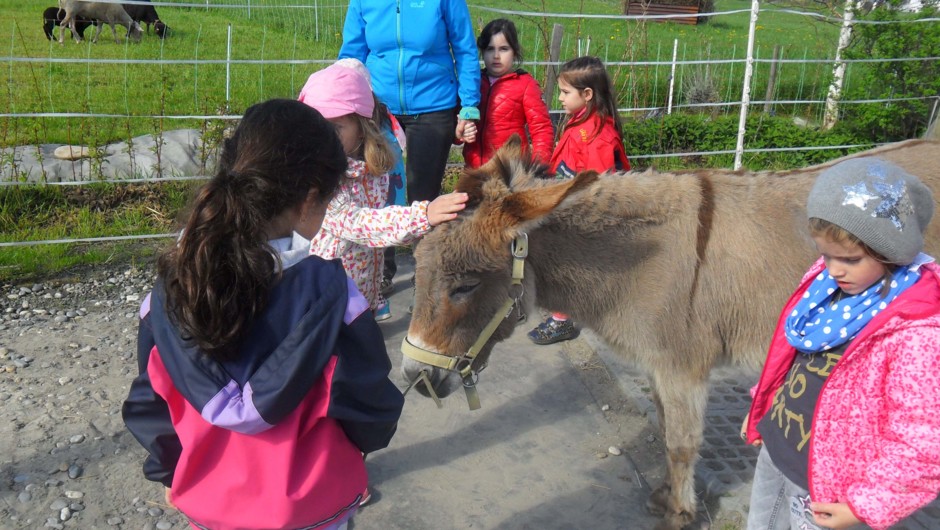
(539, 455)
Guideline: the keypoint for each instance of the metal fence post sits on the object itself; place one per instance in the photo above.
(746, 93)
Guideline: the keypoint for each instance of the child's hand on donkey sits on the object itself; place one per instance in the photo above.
(445, 207)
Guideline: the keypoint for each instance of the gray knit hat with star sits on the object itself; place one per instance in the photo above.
(882, 205)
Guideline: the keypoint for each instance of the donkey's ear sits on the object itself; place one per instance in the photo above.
(471, 182)
(512, 147)
(533, 204)
(503, 160)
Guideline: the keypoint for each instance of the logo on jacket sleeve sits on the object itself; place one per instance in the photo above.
(584, 135)
(564, 172)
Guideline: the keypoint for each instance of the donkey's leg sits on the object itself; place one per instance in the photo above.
(683, 399)
(658, 501)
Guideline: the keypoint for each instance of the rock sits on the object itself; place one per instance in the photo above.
(71, 152)
(614, 450)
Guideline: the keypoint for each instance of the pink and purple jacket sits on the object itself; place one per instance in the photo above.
(875, 441)
(273, 438)
(358, 226)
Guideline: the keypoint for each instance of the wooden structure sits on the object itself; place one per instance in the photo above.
(643, 8)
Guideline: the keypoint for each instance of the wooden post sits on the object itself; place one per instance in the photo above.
(772, 81)
(554, 51)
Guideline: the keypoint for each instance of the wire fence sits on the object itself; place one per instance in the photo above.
(181, 80)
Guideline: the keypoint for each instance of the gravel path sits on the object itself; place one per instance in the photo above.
(67, 355)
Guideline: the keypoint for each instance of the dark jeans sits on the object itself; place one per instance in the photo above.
(390, 266)
(429, 137)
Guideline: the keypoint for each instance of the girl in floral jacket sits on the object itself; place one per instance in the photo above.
(358, 222)
(847, 409)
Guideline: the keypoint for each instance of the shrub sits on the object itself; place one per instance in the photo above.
(897, 120)
(685, 133)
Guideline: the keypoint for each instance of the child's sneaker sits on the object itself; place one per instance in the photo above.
(386, 287)
(383, 312)
(366, 497)
(552, 331)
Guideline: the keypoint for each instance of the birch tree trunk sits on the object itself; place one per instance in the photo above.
(838, 70)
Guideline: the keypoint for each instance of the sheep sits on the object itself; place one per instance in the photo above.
(147, 14)
(109, 14)
(53, 16)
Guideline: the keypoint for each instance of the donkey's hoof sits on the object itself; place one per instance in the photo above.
(658, 502)
(679, 521)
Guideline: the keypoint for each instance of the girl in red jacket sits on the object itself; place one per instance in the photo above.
(591, 139)
(847, 409)
(510, 100)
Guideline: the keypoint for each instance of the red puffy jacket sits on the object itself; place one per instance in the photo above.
(506, 107)
(591, 144)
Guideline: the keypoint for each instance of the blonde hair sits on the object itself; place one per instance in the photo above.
(835, 233)
(374, 150)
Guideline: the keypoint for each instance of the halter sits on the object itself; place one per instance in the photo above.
(463, 365)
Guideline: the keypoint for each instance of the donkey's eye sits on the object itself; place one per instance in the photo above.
(463, 290)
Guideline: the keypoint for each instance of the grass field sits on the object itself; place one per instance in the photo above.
(158, 85)
(148, 93)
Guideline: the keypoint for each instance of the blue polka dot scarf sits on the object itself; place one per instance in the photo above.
(821, 320)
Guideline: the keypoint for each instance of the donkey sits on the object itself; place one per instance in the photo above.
(678, 272)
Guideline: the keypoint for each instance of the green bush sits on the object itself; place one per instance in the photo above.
(885, 122)
(685, 133)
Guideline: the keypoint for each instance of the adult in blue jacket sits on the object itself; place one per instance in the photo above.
(423, 59)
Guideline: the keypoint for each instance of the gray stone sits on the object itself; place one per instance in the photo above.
(180, 154)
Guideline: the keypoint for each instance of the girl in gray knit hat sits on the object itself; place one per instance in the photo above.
(847, 409)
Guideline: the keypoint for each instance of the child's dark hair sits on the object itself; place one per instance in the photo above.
(589, 72)
(218, 274)
(508, 29)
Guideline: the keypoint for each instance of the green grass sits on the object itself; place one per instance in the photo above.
(281, 33)
(35, 83)
(97, 210)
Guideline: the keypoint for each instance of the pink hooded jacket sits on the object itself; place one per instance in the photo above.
(875, 441)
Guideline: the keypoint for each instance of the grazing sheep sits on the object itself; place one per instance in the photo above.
(53, 16)
(109, 14)
(147, 14)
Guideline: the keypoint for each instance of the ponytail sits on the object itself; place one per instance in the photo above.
(218, 274)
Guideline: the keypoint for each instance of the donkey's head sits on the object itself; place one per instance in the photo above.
(465, 282)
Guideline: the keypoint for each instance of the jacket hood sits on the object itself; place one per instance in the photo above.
(278, 360)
